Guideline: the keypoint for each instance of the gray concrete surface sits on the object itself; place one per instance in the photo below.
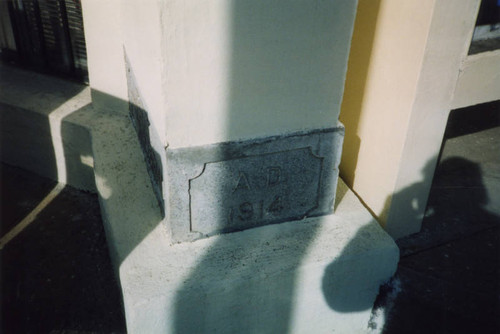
(56, 275)
(315, 275)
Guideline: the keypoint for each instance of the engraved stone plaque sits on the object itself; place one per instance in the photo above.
(252, 191)
(232, 186)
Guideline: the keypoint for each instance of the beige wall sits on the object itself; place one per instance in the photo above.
(384, 66)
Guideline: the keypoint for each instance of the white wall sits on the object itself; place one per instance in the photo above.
(116, 30)
(142, 43)
(245, 69)
(103, 36)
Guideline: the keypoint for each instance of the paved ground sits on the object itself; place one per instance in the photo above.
(448, 278)
(56, 275)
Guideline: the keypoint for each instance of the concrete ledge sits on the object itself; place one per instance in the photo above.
(38, 132)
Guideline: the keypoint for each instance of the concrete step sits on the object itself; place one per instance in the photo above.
(41, 128)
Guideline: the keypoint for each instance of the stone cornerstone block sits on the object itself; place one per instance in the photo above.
(234, 186)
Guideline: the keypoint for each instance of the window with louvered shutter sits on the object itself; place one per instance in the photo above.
(49, 36)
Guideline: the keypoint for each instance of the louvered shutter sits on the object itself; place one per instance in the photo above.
(49, 35)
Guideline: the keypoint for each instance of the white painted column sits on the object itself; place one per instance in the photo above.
(106, 65)
(245, 69)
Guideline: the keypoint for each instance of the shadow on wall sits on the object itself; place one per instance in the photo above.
(124, 179)
(141, 123)
(363, 37)
(246, 305)
(408, 205)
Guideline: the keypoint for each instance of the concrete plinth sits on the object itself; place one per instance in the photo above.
(319, 275)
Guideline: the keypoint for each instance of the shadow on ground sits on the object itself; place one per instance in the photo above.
(448, 277)
(56, 276)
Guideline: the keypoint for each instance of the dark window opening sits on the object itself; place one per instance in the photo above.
(48, 37)
(489, 13)
(487, 32)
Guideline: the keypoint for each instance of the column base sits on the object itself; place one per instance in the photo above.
(318, 275)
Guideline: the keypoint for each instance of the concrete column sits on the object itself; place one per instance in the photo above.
(404, 65)
(252, 78)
